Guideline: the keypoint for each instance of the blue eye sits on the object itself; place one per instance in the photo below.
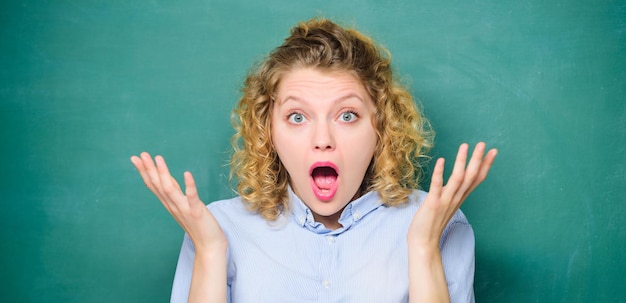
(296, 118)
(348, 116)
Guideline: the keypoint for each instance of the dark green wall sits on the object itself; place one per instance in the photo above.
(86, 84)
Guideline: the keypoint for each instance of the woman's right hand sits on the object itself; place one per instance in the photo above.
(208, 281)
(186, 208)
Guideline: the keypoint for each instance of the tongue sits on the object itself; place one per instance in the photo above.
(324, 177)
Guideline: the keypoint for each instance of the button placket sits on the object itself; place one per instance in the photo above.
(327, 267)
(330, 239)
(326, 284)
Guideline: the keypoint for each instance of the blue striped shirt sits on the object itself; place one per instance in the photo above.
(296, 259)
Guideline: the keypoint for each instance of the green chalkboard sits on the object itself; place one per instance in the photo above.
(86, 84)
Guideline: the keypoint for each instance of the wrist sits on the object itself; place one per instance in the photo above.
(426, 274)
(421, 246)
(424, 253)
(212, 250)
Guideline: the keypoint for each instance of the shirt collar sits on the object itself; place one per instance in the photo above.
(352, 213)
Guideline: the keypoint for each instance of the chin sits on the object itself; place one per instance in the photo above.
(328, 213)
(328, 208)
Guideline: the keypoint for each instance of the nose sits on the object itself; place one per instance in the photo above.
(323, 138)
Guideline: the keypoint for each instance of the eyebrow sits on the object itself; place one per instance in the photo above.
(336, 101)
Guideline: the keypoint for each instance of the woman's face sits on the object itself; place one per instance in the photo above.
(322, 131)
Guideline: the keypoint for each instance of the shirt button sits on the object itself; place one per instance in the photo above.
(301, 221)
(357, 216)
(330, 239)
(326, 284)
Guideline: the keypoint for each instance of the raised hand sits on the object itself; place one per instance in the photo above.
(208, 281)
(443, 201)
(186, 208)
(427, 282)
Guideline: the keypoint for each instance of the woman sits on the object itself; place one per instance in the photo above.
(326, 154)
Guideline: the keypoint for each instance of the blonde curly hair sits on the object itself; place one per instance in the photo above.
(404, 135)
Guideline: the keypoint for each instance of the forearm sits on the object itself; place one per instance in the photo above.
(427, 281)
(208, 280)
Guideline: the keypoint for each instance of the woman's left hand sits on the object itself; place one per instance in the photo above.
(442, 201)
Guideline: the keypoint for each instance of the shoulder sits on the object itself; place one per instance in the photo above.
(232, 204)
(233, 216)
(230, 209)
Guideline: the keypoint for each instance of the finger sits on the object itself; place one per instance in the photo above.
(170, 187)
(151, 169)
(191, 191)
(176, 185)
(484, 168)
(138, 163)
(488, 162)
(470, 172)
(458, 172)
(190, 187)
(436, 182)
(150, 175)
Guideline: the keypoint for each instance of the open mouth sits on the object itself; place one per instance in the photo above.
(324, 177)
(324, 180)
